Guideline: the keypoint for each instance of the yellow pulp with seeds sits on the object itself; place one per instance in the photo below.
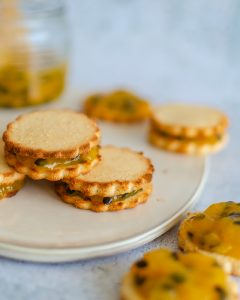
(119, 106)
(23, 86)
(8, 189)
(215, 230)
(210, 140)
(57, 163)
(63, 163)
(164, 275)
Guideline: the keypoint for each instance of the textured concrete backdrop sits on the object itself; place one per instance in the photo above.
(166, 50)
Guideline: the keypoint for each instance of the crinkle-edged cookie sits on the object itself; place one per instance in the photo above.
(52, 144)
(117, 106)
(188, 129)
(214, 232)
(189, 146)
(189, 120)
(10, 180)
(121, 180)
(163, 274)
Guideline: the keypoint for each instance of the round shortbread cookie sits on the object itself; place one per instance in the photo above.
(184, 146)
(189, 121)
(120, 170)
(51, 134)
(98, 206)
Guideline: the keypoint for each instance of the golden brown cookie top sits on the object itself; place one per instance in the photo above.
(120, 170)
(51, 133)
(188, 120)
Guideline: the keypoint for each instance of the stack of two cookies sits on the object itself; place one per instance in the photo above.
(63, 146)
(188, 129)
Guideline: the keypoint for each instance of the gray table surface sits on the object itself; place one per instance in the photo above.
(165, 50)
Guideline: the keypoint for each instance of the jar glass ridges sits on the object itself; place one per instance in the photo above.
(33, 51)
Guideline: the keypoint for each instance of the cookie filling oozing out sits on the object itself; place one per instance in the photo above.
(105, 200)
(52, 163)
(203, 140)
(6, 189)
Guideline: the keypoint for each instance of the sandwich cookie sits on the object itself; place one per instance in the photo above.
(121, 180)
(118, 106)
(10, 180)
(214, 232)
(163, 274)
(188, 129)
(52, 144)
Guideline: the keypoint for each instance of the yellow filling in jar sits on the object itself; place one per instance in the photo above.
(215, 230)
(7, 189)
(166, 275)
(22, 86)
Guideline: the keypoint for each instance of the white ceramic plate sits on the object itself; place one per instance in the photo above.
(35, 225)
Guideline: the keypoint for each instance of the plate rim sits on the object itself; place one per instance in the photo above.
(65, 254)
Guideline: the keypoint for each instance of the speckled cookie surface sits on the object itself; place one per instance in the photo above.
(51, 133)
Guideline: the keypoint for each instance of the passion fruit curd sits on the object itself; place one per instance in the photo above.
(117, 106)
(51, 164)
(210, 140)
(216, 230)
(10, 189)
(98, 199)
(23, 87)
(166, 275)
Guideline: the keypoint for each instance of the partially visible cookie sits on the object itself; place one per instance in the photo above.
(10, 180)
(122, 179)
(188, 129)
(52, 144)
(214, 232)
(163, 274)
(118, 106)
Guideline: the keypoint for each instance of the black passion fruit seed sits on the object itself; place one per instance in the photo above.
(107, 200)
(141, 264)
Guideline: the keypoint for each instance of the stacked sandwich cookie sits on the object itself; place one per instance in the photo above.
(214, 232)
(188, 129)
(10, 180)
(163, 274)
(121, 180)
(52, 144)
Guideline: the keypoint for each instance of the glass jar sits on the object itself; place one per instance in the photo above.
(33, 51)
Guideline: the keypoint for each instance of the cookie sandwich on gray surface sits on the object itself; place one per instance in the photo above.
(52, 144)
(188, 129)
(122, 179)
